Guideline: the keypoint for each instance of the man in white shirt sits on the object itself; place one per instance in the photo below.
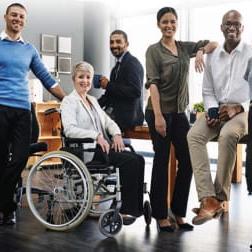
(226, 99)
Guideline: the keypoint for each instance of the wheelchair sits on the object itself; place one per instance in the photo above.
(69, 189)
(35, 150)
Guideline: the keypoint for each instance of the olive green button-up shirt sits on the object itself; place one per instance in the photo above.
(170, 73)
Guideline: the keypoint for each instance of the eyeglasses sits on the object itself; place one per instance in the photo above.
(235, 25)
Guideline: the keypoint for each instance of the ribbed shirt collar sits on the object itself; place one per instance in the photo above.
(5, 36)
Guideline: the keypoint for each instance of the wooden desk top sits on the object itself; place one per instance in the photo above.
(139, 132)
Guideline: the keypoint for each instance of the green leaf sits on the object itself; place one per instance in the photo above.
(198, 107)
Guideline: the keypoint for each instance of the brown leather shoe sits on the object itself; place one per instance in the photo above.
(210, 208)
(196, 210)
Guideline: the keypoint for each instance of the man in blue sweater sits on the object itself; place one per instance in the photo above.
(17, 58)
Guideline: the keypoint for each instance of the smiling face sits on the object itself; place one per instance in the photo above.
(82, 82)
(232, 27)
(118, 45)
(15, 20)
(168, 25)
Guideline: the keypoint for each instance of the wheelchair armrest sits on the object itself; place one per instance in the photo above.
(37, 147)
(130, 147)
(73, 145)
(86, 144)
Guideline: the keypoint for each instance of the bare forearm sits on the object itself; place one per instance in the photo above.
(155, 99)
(199, 60)
(58, 92)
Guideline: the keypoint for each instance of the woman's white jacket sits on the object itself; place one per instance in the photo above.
(79, 122)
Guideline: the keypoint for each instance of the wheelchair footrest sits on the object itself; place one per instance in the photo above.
(110, 180)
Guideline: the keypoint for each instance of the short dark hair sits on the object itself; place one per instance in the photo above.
(13, 5)
(237, 13)
(165, 10)
(121, 33)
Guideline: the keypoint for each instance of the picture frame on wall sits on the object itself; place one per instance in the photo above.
(64, 65)
(65, 45)
(48, 43)
(50, 62)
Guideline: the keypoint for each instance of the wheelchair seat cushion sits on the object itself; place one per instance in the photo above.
(78, 152)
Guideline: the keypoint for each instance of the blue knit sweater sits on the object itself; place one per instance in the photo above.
(16, 60)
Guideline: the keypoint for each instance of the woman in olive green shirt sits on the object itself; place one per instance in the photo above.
(167, 67)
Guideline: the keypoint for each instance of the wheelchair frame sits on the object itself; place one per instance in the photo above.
(67, 197)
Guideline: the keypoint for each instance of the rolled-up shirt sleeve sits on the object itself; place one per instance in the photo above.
(193, 47)
(208, 93)
(152, 68)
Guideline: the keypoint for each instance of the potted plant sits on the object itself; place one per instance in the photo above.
(198, 109)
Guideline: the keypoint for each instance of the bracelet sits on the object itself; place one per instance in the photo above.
(202, 49)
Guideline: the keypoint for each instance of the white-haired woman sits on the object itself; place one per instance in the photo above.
(82, 117)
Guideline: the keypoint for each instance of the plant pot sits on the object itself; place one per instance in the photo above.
(192, 117)
(199, 114)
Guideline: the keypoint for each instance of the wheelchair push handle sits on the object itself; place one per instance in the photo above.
(51, 111)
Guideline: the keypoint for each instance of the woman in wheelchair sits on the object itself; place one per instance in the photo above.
(82, 117)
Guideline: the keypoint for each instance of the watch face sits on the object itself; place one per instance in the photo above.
(213, 113)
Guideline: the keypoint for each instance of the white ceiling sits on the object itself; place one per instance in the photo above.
(125, 7)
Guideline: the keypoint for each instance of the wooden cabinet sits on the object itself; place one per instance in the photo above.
(49, 126)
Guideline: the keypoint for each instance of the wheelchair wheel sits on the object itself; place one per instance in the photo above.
(110, 223)
(64, 190)
(147, 212)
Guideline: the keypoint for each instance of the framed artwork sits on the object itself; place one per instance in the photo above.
(48, 43)
(64, 65)
(50, 62)
(65, 45)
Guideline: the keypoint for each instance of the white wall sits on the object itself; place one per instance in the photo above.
(54, 17)
(197, 20)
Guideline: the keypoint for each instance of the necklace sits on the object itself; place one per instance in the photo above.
(171, 47)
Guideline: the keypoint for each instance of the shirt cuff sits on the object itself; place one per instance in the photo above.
(245, 106)
(54, 85)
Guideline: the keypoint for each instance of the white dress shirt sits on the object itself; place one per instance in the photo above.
(4, 35)
(223, 80)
